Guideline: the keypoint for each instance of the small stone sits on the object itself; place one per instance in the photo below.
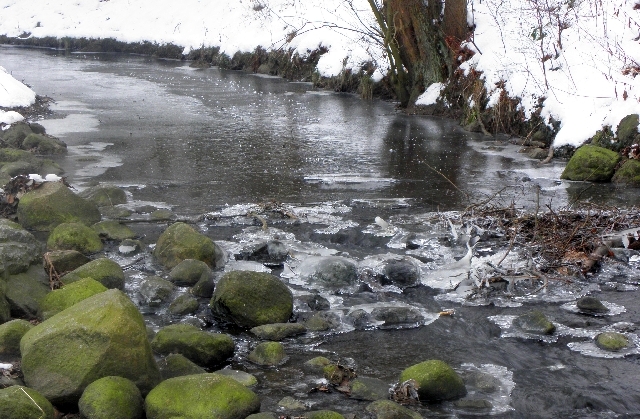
(534, 322)
(184, 304)
(591, 305)
(612, 341)
(268, 353)
(278, 331)
(242, 377)
(289, 403)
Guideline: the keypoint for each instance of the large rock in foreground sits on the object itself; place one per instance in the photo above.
(53, 203)
(251, 299)
(19, 402)
(591, 163)
(435, 381)
(181, 241)
(101, 336)
(201, 396)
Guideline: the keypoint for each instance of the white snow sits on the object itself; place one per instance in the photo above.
(430, 96)
(579, 56)
(13, 94)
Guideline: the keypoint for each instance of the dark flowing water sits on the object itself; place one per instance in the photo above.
(221, 143)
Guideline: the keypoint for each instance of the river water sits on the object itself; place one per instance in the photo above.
(365, 183)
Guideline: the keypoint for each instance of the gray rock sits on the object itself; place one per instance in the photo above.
(386, 409)
(273, 252)
(155, 290)
(105, 271)
(334, 272)
(105, 195)
(181, 241)
(401, 273)
(25, 291)
(591, 305)
(184, 304)
(19, 249)
(203, 288)
(65, 261)
(113, 230)
(268, 353)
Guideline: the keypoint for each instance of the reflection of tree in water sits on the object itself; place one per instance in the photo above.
(413, 145)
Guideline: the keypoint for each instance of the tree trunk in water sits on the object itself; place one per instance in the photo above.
(419, 42)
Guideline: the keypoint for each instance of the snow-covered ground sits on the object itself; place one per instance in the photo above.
(580, 55)
(13, 94)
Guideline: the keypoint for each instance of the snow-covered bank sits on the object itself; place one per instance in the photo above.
(13, 94)
(581, 56)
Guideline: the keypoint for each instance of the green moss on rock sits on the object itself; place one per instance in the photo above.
(628, 174)
(201, 396)
(74, 236)
(103, 335)
(204, 348)
(242, 377)
(10, 335)
(534, 322)
(436, 381)
(18, 402)
(268, 353)
(188, 272)
(52, 204)
(591, 163)
(181, 241)
(111, 398)
(251, 299)
(627, 131)
(184, 304)
(42, 144)
(104, 270)
(612, 341)
(70, 294)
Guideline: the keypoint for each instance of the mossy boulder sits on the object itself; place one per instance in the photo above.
(203, 288)
(188, 272)
(5, 309)
(612, 341)
(111, 398)
(323, 414)
(10, 335)
(113, 230)
(268, 353)
(181, 241)
(70, 294)
(604, 138)
(333, 272)
(204, 348)
(15, 135)
(387, 409)
(278, 331)
(25, 291)
(64, 261)
(8, 155)
(316, 364)
(74, 236)
(534, 322)
(155, 290)
(627, 131)
(18, 402)
(591, 163)
(628, 174)
(104, 270)
(435, 381)
(43, 144)
(53, 203)
(105, 195)
(177, 365)
(201, 396)
(103, 335)
(184, 304)
(251, 299)
(19, 249)
(21, 167)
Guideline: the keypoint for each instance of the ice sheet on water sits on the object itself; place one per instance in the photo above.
(245, 265)
(589, 348)
(348, 180)
(490, 382)
(614, 309)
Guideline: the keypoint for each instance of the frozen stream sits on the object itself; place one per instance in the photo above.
(226, 143)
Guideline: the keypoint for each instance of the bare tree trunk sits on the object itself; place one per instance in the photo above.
(415, 44)
(454, 23)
